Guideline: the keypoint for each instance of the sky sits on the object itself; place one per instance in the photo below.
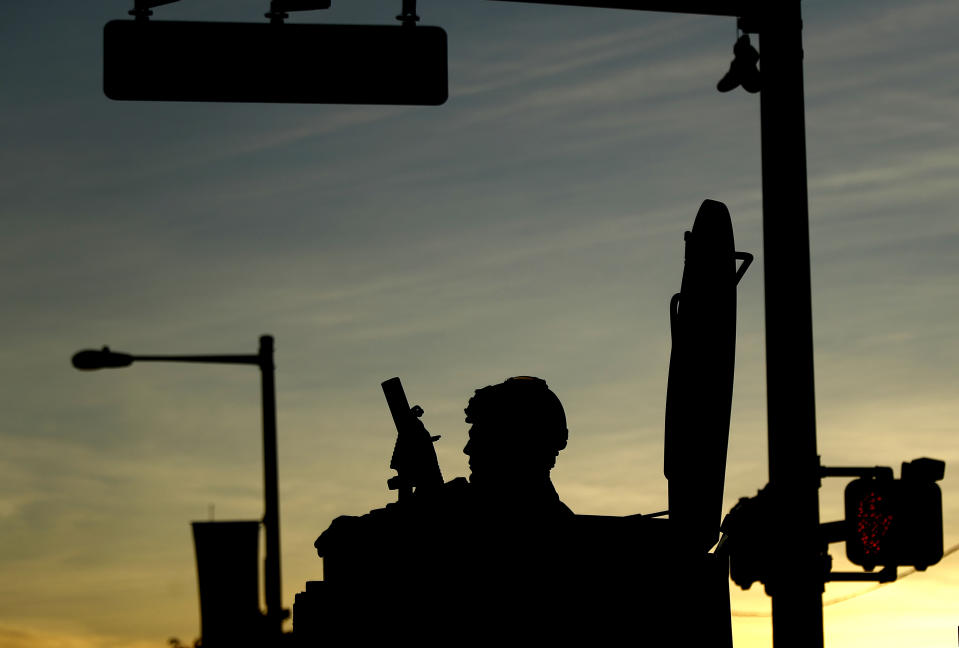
(532, 225)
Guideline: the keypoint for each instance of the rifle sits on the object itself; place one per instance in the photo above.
(414, 457)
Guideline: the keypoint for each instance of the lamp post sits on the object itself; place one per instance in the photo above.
(90, 359)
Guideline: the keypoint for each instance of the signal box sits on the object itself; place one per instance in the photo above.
(896, 522)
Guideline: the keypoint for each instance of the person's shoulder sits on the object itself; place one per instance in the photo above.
(452, 494)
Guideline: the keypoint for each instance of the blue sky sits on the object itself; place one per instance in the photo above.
(531, 225)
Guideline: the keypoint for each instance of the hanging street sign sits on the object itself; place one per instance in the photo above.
(152, 60)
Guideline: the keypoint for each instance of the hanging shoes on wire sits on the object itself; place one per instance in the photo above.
(742, 71)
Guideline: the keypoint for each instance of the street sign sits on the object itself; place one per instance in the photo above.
(150, 60)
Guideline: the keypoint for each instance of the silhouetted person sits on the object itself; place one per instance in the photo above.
(493, 540)
(498, 558)
(518, 429)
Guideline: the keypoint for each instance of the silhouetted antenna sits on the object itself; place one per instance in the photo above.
(408, 14)
(141, 8)
(279, 8)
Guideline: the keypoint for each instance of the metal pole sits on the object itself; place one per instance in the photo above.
(271, 517)
(91, 359)
(796, 584)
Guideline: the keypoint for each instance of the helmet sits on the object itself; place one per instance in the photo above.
(526, 405)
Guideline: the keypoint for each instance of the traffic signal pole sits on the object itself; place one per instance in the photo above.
(796, 581)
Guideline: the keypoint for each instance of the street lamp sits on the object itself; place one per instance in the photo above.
(91, 359)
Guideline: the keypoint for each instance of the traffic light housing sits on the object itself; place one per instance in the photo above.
(746, 539)
(896, 522)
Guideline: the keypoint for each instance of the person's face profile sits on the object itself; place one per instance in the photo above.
(477, 447)
(494, 453)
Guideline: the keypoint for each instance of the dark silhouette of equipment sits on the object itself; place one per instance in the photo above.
(414, 457)
(227, 576)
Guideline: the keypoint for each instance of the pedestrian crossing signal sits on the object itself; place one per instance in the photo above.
(896, 522)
